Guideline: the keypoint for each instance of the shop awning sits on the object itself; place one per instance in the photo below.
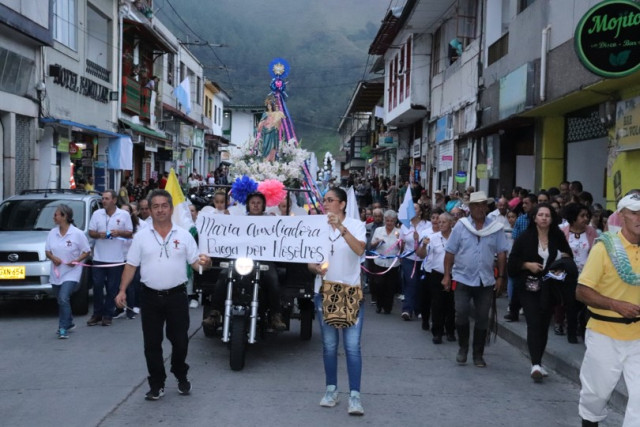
(83, 127)
(143, 129)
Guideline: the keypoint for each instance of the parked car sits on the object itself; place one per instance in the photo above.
(25, 221)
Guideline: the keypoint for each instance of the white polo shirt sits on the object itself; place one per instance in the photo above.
(344, 264)
(163, 262)
(110, 250)
(67, 248)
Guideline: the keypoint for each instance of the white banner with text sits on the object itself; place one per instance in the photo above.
(264, 238)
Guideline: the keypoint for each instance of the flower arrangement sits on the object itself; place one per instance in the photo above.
(273, 191)
(242, 187)
(287, 167)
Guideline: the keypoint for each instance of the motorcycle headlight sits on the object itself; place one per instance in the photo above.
(244, 266)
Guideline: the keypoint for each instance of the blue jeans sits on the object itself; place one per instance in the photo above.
(351, 343)
(63, 295)
(109, 278)
(410, 285)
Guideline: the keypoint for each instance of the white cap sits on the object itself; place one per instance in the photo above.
(631, 202)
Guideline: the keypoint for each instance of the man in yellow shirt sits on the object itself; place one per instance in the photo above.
(610, 286)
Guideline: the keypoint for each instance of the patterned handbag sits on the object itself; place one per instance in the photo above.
(340, 304)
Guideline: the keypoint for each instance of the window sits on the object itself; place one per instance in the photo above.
(97, 56)
(499, 49)
(64, 23)
(523, 4)
(199, 91)
(436, 52)
(170, 68)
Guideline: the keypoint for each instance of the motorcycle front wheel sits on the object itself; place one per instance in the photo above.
(238, 342)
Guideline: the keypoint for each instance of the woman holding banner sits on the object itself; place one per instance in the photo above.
(341, 278)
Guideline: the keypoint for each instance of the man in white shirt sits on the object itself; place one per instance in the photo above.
(500, 213)
(162, 251)
(110, 227)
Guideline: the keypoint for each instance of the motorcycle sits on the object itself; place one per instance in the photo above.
(244, 319)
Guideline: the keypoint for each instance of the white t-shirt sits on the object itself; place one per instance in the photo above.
(388, 247)
(406, 234)
(344, 264)
(580, 248)
(67, 248)
(110, 250)
(502, 219)
(163, 262)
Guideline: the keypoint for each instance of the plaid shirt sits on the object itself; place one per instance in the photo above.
(521, 224)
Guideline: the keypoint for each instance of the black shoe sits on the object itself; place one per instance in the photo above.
(511, 317)
(587, 423)
(558, 330)
(451, 337)
(406, 316)
(478, 360)
(94, 320)
(437, 340)
(378, 310)
(425, 325)
(184, 387)
(572, 339)
(154, 393)
(461, 357)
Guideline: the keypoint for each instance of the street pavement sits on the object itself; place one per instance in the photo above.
(98, 378)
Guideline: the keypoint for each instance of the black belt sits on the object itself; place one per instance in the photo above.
(624, 320)
(166, 292)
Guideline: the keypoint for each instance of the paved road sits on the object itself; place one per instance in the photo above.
(97, 378)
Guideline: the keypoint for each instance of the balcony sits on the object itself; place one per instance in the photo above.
(136, 99)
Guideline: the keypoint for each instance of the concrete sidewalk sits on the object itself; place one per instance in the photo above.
(562, 357)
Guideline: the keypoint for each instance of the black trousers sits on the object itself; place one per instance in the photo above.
(157, 311)
(442, 306)
(383, 286)
(537, 311)
(424, 297)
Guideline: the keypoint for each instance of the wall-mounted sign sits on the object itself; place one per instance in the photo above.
(84, 86)
(606, 38)
(388, 139)
(628, 124)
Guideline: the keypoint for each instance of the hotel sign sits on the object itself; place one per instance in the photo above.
(607, 38)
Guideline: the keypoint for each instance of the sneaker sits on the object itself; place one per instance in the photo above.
(543, 371)
(400, 297)
(94, 320)
(62, 334)
(406, 316)
(536, 374)
(136, 310)
(330, 398)
(184, 387)
(355, 406)
(131, 315)
(71, 327)
(194, 303)
(154, 393)
(558, 329)
(106, 321)
(119, 314)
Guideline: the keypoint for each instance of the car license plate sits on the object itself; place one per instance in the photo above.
(12, 272)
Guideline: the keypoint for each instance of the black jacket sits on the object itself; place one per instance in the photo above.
(525, 249)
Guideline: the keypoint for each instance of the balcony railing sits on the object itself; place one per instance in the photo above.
(136, 99)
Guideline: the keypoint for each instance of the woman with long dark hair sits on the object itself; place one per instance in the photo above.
(347, 239)
(537, 248)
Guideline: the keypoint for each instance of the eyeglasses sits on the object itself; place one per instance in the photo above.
(329, 200)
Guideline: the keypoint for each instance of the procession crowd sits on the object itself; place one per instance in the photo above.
(444, 265)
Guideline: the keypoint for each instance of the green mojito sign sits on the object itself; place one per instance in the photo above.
(607, 39)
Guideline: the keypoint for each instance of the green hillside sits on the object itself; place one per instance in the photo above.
(325, 43)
